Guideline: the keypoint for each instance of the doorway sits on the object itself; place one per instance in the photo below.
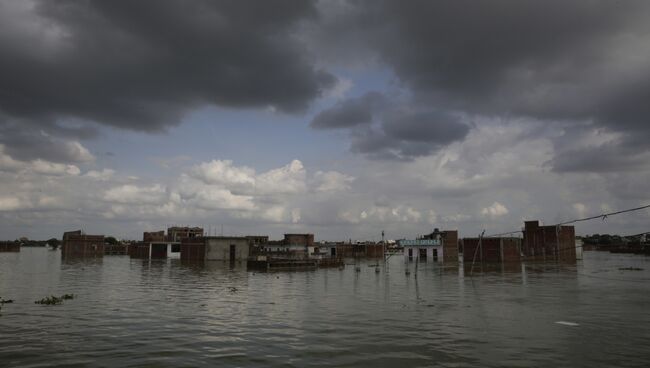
(233, 249)
(410, 253)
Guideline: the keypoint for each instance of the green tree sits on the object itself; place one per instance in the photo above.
(110, 240)
(54, 243)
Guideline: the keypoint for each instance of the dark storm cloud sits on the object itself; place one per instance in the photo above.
(351, 112)
(406, 135)
(26, 144)
(141, 65)
(434, 127)
(552, 60)
(603, 158)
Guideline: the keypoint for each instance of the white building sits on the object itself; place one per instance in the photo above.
(429, 250)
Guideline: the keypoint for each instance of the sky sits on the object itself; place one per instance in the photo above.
(338, 118)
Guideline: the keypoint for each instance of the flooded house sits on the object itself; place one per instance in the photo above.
(438, 246)
(157, 245)
(491, 249)
(215, 248)
(544, 243)
(9, 246)
(79, 244)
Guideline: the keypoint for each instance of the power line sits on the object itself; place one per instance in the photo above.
(601, 216)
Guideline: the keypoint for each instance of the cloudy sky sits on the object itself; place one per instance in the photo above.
(341, 118)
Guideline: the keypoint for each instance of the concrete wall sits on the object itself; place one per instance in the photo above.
(218, 248)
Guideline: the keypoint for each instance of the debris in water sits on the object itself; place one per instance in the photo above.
(565, 323)
(2, 301)
(54, 300)
(232, 289)
(630, 269)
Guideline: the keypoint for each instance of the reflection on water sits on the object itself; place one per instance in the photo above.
(133, 312)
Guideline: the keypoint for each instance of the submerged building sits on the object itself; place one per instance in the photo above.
(541, 243)
(215, 248)
(78, 244)
(438, 246)
(491, 249)
(177, 233)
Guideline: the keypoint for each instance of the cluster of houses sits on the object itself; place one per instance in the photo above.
(556, 243)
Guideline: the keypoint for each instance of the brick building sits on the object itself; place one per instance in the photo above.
(548, 242)
(9, 246)
(153, 236)
(176, 233)
(491, 249)
(78, 244)
(215, 248)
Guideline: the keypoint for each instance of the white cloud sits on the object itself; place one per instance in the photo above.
(50, 168)
(222, 172)
(103, 175)
(495, 210)
(77, 152)
(289, 179)
(331, 181)
(10, 204)
(133, 194)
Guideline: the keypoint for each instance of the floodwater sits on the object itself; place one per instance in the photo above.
(130, 312)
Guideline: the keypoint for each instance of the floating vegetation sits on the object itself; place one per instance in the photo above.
(54, 300)
(630, 269)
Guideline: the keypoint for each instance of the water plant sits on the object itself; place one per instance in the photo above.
(54, 300)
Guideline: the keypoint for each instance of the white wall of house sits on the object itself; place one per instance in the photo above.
(429, 249)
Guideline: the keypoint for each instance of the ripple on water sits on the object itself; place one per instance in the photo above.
(163, 313)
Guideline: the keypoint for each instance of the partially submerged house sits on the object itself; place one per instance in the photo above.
(489, 249)
(215, 248)
(543, 243)
(9, 246)
(438, 246)
(78, 244)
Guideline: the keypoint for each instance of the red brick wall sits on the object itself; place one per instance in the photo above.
(153, 236)
(549, 242)
(299, 239)
(492, 250)
(75, 245)
(511, 249)
(450, 246)
(9, 246)
(192, 249)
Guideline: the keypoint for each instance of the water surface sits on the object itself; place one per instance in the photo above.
(130, 312)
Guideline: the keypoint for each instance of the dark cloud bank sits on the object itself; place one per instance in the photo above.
(142, 65)
(554, 61)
